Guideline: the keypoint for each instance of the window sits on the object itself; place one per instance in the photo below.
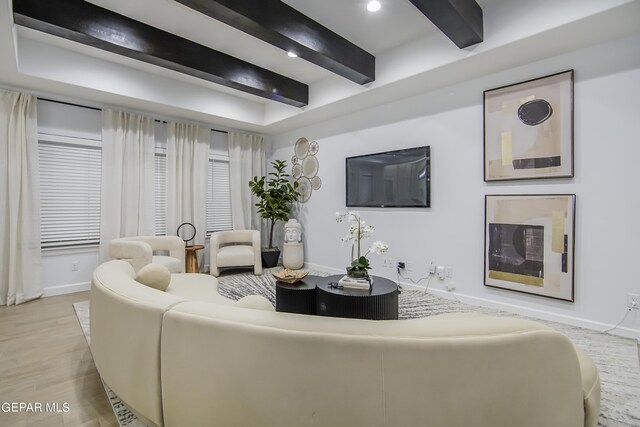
(218, 195)
(218, 208)
(161, 178)
(161, 193)
(69, 191)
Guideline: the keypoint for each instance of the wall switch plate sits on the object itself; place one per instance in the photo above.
(74, 266)
(633, 301)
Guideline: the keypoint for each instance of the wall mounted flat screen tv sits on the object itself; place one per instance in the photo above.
(393, 179)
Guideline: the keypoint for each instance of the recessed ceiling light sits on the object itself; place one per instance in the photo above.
(373, 6)
(292, 55)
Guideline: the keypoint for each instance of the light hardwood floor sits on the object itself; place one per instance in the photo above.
(45, 358)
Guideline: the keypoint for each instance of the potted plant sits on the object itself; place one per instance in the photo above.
(275, 198)
(358, 230)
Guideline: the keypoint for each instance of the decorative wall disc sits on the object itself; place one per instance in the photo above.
(316, 182)
(302, 148)
(305, 168)
(296, 171)
(310, 166)
(304, 189)
(313, 148)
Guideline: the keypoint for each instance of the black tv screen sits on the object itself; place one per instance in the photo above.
(395, 179)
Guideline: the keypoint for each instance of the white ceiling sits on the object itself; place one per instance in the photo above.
(412, 56)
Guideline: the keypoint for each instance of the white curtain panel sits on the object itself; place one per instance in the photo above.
(20, 256)
(128, 183)
(187, 163)
(246, 160)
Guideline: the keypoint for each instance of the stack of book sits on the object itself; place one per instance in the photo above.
(351, 283)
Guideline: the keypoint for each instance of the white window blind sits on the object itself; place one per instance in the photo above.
(161, 194)
(218, 197)
(69, 192)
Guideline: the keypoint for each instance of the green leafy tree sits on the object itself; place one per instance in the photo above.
(275, 195)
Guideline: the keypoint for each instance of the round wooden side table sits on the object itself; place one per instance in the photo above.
(191, 260)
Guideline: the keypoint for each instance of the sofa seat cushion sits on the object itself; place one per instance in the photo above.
(197, 287)
(173, 264)
(235, 255)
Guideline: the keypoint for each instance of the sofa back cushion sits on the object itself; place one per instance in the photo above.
(126, 319)
(315, 371)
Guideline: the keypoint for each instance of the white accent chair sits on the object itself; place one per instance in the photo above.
(139, 251)
(237, 248)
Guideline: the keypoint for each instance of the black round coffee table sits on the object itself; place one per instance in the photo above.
(380, 303)
(299, 297)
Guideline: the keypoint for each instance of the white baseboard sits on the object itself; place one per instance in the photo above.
(319, 267)
(511, 308)
(531, 312)
(66, 289)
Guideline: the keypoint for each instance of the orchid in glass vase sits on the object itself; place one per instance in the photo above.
(359, 230)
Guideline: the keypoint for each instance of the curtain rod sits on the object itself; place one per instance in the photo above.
(100, 109)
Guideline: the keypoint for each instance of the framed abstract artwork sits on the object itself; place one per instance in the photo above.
(528, 129)
(529, 244)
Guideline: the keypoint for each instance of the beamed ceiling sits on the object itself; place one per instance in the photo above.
(225, 61)
(271, 21)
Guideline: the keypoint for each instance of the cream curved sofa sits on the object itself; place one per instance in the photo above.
(139, 251)
(180, 362)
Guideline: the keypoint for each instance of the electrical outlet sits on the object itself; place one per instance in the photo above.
(432, 268)
(401, 265)
(74, 266)
(451, 286)
(633, 301)
(440, 272)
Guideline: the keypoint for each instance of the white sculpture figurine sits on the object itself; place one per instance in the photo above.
(293, 251)
(292, 231)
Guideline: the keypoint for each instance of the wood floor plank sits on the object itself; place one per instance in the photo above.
(45, 358)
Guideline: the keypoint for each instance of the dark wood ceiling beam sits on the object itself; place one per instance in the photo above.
(92, 25)
(460, 20)
(277, 23)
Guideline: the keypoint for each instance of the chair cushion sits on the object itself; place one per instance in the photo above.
(235, 256)
(156, 276)
(173, 264)
(257, 302)
(197, 287)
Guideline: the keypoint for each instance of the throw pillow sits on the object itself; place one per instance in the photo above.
(256, 302)
(155, 276)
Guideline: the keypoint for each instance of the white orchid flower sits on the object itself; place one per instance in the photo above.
(378, 247)
(358, 230)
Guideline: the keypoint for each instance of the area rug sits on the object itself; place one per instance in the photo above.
(616, 357)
